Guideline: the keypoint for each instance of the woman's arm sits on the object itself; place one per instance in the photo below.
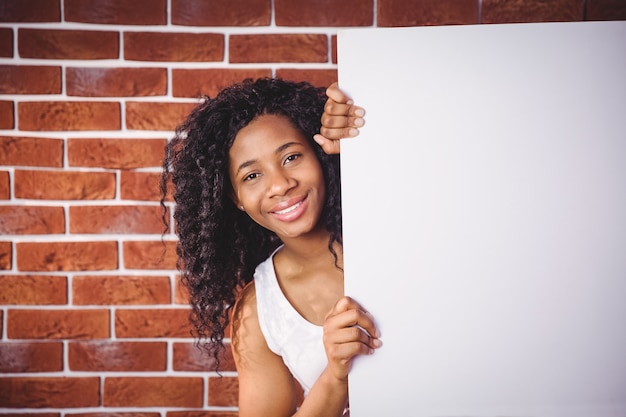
(341, 119)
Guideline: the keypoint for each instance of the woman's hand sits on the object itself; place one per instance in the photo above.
(349, 331)
(341, 119)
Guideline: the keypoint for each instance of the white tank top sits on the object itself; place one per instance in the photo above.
(287, 333)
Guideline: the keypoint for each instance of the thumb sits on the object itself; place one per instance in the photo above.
(331, 147)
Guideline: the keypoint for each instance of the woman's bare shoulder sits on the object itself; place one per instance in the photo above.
(245, 304)
(246, 336)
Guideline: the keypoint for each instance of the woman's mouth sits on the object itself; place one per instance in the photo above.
(291, 212)
(288, 209)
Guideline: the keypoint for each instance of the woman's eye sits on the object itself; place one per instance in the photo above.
(292, 157)
(251, 176)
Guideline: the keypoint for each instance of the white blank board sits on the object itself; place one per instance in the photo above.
(485, 218)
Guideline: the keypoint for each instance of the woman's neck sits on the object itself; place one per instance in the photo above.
(311, 250)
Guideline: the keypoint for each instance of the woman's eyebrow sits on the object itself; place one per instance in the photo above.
(285, 146)
(245, 165)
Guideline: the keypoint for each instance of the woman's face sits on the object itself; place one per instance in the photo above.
(276, 177)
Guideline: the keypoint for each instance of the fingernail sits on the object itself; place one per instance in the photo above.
(353, 132)
(358, 122)
(359, 112)
(377, 343)
(318, 139)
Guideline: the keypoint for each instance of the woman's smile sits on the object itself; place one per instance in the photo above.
(293, 210)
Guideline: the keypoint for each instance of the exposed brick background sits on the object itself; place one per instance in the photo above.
(93, 320)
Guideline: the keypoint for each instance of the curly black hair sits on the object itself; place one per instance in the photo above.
(218, 245)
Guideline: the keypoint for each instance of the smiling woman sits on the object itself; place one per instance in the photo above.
(258, 212)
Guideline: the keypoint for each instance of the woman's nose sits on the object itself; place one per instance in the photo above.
(280, 182)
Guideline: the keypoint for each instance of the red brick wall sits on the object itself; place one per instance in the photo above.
(92, 320)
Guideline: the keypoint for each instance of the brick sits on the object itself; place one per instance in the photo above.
(142, 186)
(120, 290)
(67, 44)
(323, 13)
(162, 323)
(153, 392)
(18, 414)
(64, 185)
(116, 219)
(319, 78)
(333, 46)
(5, 185)
(30, 79)
(31, 357)
(605, 10)
(156, 116)
(190, 357)
(31, 220)
(209, 82)
(110, 356)
(173, 47)
(7, 115)
(221, 12)
(6, 42)
(31, 414)
(116, 12)
(49, 392)
(426, 12)
(69, 115)
(181, 293)
(33, 290)
(6, 255)
(116, 82)
(116, 153)
(112, 414)
(524, 11)
(278, 48)
(27, 151)
(58, 324)
(34, 11)
(150, 255)
(223, 391)
(66, 256)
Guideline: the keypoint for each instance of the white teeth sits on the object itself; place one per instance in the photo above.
(288, 209)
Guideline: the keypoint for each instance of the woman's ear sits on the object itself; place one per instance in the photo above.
(235, 200)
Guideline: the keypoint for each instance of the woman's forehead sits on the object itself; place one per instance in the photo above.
(264, 133)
